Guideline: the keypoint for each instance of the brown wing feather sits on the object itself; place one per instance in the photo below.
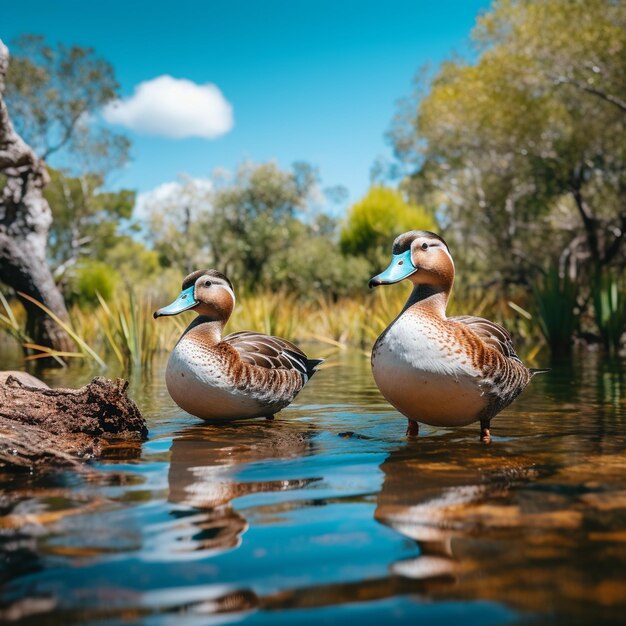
(491, 333)
(269, 352)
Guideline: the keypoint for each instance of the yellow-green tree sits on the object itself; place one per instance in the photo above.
(524, 150)
(374, 221)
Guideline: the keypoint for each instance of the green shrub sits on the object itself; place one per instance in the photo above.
(91, 278)
(375, 220)
(609, 303)
(556, 302)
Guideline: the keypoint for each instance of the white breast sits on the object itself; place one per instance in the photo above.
(423, 372)
(196, 381)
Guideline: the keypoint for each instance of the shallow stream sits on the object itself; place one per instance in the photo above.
(328, 515)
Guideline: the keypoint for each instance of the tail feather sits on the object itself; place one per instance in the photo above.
(312, 365)
(539, 370)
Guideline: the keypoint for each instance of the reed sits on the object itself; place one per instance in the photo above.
(12, 322)
(129, 329)
(338, 324)
(557, 310)
(122, 331)
(350, 322)
(609, 304)
(271, 313)
(85, 350)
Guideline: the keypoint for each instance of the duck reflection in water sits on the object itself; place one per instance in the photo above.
(511, 525)
(434, 498)
(204, 464)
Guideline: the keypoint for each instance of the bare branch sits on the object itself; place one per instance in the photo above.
(67, 136)
(615, 246)
(618, 102)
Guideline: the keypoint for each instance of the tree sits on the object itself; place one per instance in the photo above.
(86, 218)
(578, 43)
(375, 220)
(51, 92)
(262, 226)
(524, 150)
(313, 265)
(255, 215)
(24, 223)
(180, 225)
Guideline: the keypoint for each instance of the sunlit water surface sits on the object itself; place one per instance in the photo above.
(328, 515)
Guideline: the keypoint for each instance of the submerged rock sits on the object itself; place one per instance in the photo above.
(43, 426)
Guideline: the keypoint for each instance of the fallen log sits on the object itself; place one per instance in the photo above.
(43, 426)
(24, 377)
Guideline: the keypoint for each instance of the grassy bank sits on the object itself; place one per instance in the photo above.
(123, 330)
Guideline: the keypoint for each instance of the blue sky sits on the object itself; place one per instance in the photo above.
(307, 80)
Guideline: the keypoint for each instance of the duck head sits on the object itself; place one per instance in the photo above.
(422, 257)
(208, 292)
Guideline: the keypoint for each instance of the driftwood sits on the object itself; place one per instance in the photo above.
(24, 377)
(43, 426)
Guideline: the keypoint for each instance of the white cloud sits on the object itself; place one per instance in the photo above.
(173, 107)
(192, 192)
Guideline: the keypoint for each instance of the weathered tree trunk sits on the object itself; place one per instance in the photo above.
(25, 219)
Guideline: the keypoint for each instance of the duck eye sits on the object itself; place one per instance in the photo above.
(208, 283)
(424, 246)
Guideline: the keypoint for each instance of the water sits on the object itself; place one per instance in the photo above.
(328, 514)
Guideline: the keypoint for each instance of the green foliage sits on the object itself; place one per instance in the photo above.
(128, 325)
(133, 262)
(314, 267)
(90, 279)
(180, 224)
(260, 227)
(556, 301)
(579, 44)
(86, 218)
(257, 214)
(376, 219)
(609, 302)
(525, 149)
(51, 91)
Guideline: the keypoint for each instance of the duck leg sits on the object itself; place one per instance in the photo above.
(485, 431)
(412, 429)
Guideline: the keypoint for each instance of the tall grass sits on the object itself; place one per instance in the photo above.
(122, 331)
(609, 302)
(12, 323)
(271, 313)
(125, 331)
(556, 302)
(84, 347)
(353, 322)
(129, 330)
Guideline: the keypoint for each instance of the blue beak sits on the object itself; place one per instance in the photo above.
(185, 300)
(400, 268)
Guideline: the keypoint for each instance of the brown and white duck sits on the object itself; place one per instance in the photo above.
(243, 375)
(439, 370)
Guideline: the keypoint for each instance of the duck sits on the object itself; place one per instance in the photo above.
(438, 370)
(243, 375)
